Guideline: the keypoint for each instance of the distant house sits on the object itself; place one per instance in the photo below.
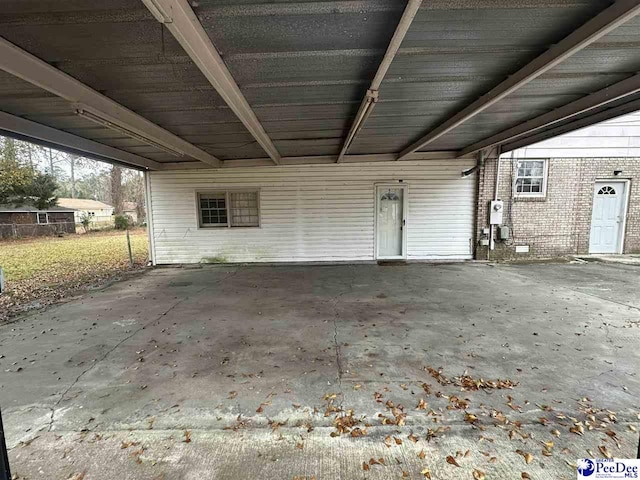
(131, 210)
(98, 212)
(27, 221)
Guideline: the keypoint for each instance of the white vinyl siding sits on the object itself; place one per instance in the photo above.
(314, 212)
(619, 137)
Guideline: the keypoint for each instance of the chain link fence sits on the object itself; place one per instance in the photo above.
(20, 230)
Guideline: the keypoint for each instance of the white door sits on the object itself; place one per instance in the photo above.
(607, 219)
(390, 235)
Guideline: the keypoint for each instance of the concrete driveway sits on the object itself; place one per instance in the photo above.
(299, 372)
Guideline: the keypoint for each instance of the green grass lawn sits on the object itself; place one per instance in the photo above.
(47, 267)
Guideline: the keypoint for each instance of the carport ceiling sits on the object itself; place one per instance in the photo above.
(163, 84)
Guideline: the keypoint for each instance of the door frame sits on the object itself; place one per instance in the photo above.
(405, 203)
(625, 208)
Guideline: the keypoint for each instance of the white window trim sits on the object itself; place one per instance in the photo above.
(38, 218)
(545, 174)
(227, 203)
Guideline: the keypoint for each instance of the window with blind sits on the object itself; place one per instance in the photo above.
(229, 209)
(531, 178)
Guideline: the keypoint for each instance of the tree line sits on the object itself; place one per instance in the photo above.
(35, 175)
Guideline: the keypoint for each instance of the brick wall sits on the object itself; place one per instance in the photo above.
(558, 224)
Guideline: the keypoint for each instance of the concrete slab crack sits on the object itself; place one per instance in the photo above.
(115, 347)
(336, 343)
(337, 347)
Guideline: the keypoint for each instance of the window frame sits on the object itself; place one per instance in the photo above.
(545, 175)
(46, 216)
(227, 202)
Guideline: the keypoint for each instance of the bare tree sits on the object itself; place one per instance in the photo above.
(74, 162)
(117, 199)
(133, 188)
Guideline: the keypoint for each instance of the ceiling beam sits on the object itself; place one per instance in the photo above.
(183, 24)
(598, 99)
(12, 124)
(603, 23)
(102, 109)
(576, 124)
(371, 97)
(319, 160)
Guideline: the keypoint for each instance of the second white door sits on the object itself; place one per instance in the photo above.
(607, 219)
(390, 222)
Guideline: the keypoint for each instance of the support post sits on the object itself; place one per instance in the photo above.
(5, 473)
(129, 248)
(149, 212)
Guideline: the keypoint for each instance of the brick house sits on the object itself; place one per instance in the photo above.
(25, 221)
(574, 194)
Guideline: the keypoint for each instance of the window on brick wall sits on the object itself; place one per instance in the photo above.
(531, 178)
(229, 209)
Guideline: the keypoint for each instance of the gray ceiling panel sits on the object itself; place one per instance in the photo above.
(117, 48)
(296, 148)
(235, 150)
(339, 65)
(304, 67)
(252, 27)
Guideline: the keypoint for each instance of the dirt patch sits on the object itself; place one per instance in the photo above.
(43, 271)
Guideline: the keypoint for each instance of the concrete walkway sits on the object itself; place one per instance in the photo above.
(628, 259)
(307, 372)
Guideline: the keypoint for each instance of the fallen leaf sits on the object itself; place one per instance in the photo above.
(187, 436)
(421, 455)
(426, 472)
(452, 461)
(525, 476)
(470, 418)
(478, 475)
(578, 429)
(528, 458)
(365, 466)
(605, 451)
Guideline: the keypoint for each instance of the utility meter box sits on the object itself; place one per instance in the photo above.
(496, 208)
